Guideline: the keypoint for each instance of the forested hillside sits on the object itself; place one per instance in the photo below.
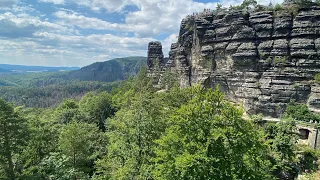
(109, 71)
(50, 88)
(137, 133)
(46, 89)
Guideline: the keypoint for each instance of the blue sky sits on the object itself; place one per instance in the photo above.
(80, 32)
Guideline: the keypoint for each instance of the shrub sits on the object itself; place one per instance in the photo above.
(307, 159)
(280, 60)
(277, 7)
(317, 78)
(269, 60)
(301, 112)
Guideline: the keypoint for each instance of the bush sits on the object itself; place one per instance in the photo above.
(317, 78)
(301, 112)
(307, 160)
(277, 7)
(280, 60)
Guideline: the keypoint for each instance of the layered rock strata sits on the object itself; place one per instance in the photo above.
(261, 60)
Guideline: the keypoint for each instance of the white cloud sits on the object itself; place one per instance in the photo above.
(153, 18)
(68, 40)
(24, 25)
(85, 22)
(7, 3)
(166, 43)
(70, 50)
(53, 1)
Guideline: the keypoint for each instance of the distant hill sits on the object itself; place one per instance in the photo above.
(109, 71)
(45, 89)
(6, 68)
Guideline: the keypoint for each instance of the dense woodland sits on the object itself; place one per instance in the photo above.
(48, 89)
(135, 132)
(109, 71)
(45, 90)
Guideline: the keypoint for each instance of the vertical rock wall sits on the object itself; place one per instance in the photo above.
(261, 59)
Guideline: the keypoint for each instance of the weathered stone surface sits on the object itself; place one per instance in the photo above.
(261, 60)
(155, 54)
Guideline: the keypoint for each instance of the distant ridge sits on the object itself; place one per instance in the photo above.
(4, 71)
(111, 70)
(22, 68)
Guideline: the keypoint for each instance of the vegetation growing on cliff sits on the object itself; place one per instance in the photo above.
(137, 133)
(291, 6)
(301, 112)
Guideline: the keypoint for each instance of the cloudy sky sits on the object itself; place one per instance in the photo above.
(80, 32)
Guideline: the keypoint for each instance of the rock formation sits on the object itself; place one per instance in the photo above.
(261, 59)
(155, 54)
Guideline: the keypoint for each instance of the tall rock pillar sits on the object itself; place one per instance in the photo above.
(155, 54)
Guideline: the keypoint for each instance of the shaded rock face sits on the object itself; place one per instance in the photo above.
(155, 54)
(261, 60)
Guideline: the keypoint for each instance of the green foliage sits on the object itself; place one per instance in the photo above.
(317, 78)
(301, 112)
(56, 166)
(259, 8)
(308, 159)
(51, 95)
(258, 84)
(284, 146)
(136, 132)
(78, 142)
(13, 135)
(127, 91)
(282, 138)
(97, 108)
(304, 3)
(168, 80)
(208, 139)
(189, 27)
(248, 3)
(256, 118)
(44, 134)
(49, 89)
(280, 60)
(219, 7)
(109, 71)
(277, 7)
(285, 139)
(270, 130)
(235, 7)
(131, 135)
(269, 60)
(68, 111)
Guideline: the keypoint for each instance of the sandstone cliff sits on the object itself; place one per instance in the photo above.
(260, 59)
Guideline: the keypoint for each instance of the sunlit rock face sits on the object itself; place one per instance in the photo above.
(261, 60)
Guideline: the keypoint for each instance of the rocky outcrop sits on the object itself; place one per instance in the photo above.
(261, 59)
(155, 54)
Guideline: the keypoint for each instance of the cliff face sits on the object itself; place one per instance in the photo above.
(261, 59)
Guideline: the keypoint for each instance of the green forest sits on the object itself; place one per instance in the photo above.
(48, 89)
(135, 132)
